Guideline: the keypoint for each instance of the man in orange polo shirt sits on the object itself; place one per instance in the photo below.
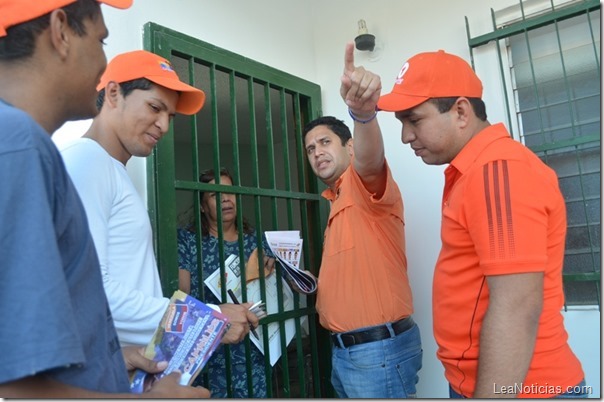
(364, 297)
(498, 280)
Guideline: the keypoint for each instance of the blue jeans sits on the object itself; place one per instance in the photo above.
(379, 369)
(453, 394)
(579, 391)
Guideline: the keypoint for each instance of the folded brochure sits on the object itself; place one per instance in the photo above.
(286, 246)
(186, 337)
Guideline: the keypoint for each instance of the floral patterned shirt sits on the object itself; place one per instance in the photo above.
(187, 259)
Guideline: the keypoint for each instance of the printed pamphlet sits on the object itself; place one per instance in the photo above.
(287, 247)
(187, 335)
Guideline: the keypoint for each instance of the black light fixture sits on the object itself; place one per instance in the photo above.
(365, 41)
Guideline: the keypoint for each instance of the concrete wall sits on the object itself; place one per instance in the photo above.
(307, 39)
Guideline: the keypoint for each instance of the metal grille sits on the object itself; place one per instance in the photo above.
(251, 124)
(554, 62)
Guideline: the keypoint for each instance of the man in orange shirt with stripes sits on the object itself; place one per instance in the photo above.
(498, 280)
(364, 297)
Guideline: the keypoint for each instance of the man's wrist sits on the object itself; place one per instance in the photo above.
(362, 119)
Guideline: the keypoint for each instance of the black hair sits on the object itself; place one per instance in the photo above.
(338, 127)
(205, 177)
(126, 88)
(20, 40)
(445, 104)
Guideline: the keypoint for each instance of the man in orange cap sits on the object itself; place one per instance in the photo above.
(139, 93)
(58, 339)
(498, 280)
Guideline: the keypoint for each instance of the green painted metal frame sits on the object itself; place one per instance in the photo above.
(534, 23)
(162, 185)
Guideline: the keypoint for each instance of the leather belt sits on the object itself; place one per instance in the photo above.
(372, 334)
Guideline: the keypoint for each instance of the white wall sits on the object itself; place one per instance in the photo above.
(307, 39)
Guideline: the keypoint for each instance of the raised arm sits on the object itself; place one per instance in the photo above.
(360, 89)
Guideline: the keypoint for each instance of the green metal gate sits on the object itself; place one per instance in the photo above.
(251, 124)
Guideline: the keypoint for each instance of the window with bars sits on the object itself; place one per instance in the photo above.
(553, 58)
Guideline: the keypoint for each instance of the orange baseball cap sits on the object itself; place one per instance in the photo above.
(431, 75)
(14, 12)
(143, 64)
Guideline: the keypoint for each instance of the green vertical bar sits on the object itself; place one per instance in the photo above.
(236, 171)
(502, 74)
(194, 125)
(217, 165)
(234, 128)
(571, 110)
(290, 223)
(528, 48)
(285, 141)
(320, 376)
(593, 40)
(257, 209)
(196, 201)
(274, 212)
(197, 224)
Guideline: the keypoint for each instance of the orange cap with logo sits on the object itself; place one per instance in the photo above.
(14, 12)
(143, 64)
(431, 75)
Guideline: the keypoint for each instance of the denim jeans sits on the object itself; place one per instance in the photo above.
(379, 369)
(579, 391)
(453, 394)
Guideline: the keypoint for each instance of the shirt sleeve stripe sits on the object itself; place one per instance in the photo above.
(497, 188)
(499, 209)
(508, 208)
(487, 196)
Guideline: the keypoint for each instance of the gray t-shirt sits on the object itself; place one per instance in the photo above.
(54, 316)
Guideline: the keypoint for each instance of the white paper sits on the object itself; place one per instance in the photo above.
(233, 282)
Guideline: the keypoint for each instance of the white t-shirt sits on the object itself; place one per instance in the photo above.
(122, 234)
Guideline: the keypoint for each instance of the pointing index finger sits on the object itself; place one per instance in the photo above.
(349, 58)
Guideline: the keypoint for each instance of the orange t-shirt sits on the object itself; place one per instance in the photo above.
(363, 276)
(502, 213)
